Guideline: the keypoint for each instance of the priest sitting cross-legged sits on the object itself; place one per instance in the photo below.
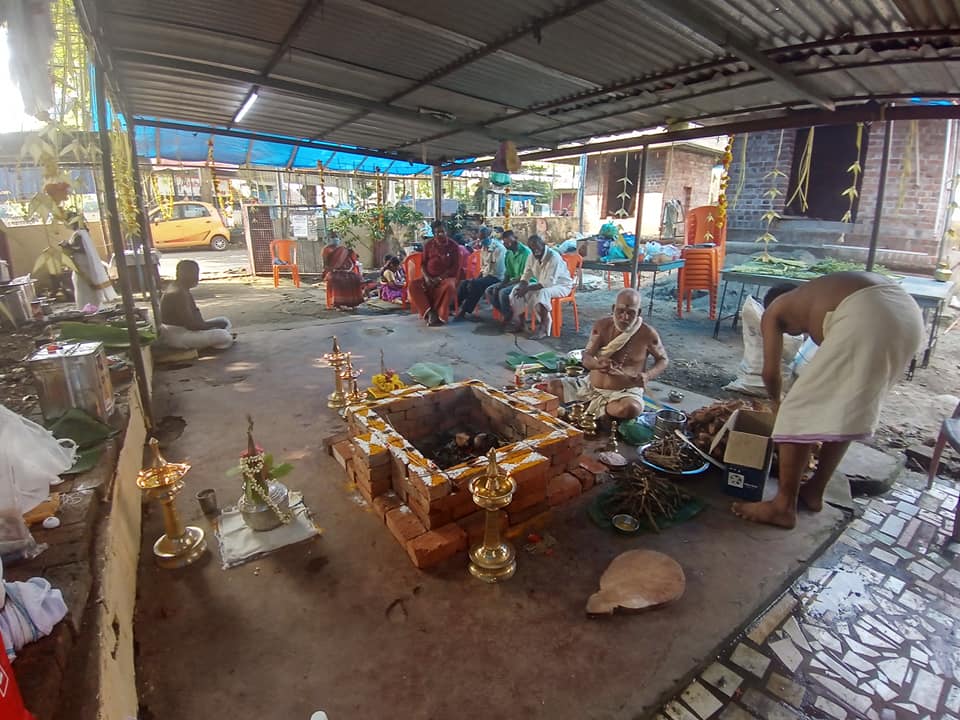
(616, 356)
(183, 326)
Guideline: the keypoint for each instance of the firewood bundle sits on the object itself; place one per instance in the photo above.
(706, 422)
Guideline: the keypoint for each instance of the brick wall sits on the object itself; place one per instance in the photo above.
(910, 219)
(746, 209)
(670, 172)
(912, 223)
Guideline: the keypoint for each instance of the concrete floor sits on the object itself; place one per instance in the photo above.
(347, 625)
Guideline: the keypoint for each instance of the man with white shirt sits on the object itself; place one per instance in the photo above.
(552, 281)
(492, 267)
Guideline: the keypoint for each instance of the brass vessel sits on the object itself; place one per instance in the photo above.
(337, 360)
(179, 546)
(494, 559)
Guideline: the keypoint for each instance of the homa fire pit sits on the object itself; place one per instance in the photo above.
(430, 510)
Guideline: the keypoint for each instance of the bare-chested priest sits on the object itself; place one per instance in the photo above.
(183, 326)
(617, 356)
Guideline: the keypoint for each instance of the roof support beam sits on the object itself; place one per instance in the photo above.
(300, 89)
(695, 19)
(868, 112)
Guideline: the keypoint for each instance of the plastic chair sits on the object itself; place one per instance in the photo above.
(574, 263)
(701, 227)
(949, 433)
(412, 270)
(473, 267)
(701, 271)
(284, 251)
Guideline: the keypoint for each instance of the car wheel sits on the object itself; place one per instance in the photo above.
(218, 242)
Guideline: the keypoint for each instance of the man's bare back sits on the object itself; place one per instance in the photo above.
(803, 310)
(632, 357)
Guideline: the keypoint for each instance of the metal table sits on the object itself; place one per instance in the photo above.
(931, 295)
(624, 266)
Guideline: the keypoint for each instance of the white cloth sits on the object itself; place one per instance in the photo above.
(582, 390)
(550, 270)
(240, 544)
(543, 296)
(179, 338)
(493, 260)
(29, 613)
(867, 342)
(621, 339)
(91, 286)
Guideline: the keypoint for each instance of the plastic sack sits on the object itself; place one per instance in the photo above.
(431, 374)
(36, 459)
(749, 380)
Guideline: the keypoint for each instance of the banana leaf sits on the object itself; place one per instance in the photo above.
(109, 335)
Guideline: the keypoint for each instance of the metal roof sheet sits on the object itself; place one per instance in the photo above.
(451, 78)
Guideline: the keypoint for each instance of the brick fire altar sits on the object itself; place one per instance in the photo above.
(428, 509)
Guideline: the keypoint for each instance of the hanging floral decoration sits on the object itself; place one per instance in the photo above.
(803, 173)
(323, 194)
(724, 183)
(772, 193)
(506, 208)
(741, 178)
(855, 170)
(220, 199)
(624, 195)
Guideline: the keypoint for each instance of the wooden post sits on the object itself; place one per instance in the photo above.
(145, 230)
(437, 193)
(641, 181)
(116, 237)
(881, 189)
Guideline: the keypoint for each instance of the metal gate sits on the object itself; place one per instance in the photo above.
(304, 223)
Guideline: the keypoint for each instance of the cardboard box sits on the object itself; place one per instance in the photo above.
(748, 454)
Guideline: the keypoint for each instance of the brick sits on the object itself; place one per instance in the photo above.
(385, 503)
(587, 479)
(432, 548)
(404, 524)
(562, 488)
(342, 452)
(594, 466)
(331, 440)
(529, 494)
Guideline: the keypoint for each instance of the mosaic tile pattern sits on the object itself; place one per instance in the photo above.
(870, 630)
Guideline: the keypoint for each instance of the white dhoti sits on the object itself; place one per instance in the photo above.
(867, 343)
(91, 285)
(179, 338)
(582, 390)
(542, 296)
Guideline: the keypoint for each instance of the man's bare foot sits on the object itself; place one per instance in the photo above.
(765, 512)
(812, 499)
(539, 334)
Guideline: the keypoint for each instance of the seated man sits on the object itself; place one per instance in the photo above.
(515, 261)
(433, 293)
(868, 328)
(545, 277)
(183, 326)
(616, 356)
(492, 264)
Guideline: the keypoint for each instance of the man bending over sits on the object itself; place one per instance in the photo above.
(616, 356)
(867, 328)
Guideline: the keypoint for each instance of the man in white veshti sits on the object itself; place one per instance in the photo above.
(616, 356)
(545, 277)
(91, 285)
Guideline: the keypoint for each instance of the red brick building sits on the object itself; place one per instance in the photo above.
(923, 160)
(683, 171)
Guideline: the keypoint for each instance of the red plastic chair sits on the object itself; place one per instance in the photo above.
(949, 433)
(412, 270)
(701, 271)
(574, 263)
(284, 251)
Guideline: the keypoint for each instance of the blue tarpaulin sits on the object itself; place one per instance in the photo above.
(190, 146)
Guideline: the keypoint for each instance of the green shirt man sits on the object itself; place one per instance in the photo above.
(516, 260)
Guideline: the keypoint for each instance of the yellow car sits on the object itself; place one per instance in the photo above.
(191, 224)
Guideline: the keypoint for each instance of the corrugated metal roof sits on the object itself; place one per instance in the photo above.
(451, 78)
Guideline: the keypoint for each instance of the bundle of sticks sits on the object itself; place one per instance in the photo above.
(670, 453)
(641, 493)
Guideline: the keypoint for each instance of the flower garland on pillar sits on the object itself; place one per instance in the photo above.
(218, 199)
(506, 208)
(851, 192)
(323, 196)
(772, 194)
(380, 225)
(724, 183)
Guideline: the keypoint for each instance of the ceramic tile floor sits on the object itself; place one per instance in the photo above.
(870, 630)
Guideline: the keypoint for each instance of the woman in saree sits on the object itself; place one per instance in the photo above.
(341, 272)
(392, 280)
